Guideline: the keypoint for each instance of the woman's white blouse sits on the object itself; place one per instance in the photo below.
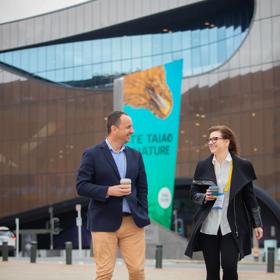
(218, 217)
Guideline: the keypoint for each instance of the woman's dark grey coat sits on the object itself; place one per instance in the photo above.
(243, 210)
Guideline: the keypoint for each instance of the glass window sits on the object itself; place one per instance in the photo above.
(16, 59)
(116, 49)
(166, 42)
(176, 55)
(156, 44)
(230, 46)
(167, 57)
(87, 72)
(106, 68)
(237, 41)
(229, 31)
(86, 54)
(204, 36)
(78, 73)
(204, 55)
(96, 51)
(186, 39)
(41, 59)
(59, 56)
(77, 54)
(221, 33)
(43, 74)
(146, 45)
(8, 57)
(177, 41)
(106, 52)
(33, 60)
(195, 35)
(51, 57)
(222, 55)
(203, 45)
(136, 64)
(59, 75)
(116, 67)
(96, 69)
(146, 62)
(237, 30)
(213, 56)
(187, 63)
(196, 61)
(126, 47)
(213, 34)
(136, 46)
(156, 60)
(50, 75)
(24, 60)
(126, 66)
(68, 54)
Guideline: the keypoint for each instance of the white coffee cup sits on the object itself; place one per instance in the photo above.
(126, 182)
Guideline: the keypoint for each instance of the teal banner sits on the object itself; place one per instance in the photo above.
(152, 98)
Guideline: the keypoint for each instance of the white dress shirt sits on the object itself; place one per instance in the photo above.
(218, 217)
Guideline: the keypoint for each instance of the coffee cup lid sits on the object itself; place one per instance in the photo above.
(125, 181)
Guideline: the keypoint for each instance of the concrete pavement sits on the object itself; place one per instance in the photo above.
(55, 269)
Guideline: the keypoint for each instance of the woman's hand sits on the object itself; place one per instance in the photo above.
(259, 233)
(208, 196)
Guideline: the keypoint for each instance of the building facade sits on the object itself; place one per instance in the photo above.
(57, 70)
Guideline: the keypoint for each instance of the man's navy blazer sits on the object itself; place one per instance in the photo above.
(97, 172)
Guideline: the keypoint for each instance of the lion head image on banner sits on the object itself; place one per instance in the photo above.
(148, 89)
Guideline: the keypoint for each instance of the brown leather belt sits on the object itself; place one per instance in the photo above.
(125, 214)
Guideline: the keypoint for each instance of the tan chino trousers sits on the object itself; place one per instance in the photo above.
(131, 241)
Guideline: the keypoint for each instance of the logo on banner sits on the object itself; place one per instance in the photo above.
(164, 197)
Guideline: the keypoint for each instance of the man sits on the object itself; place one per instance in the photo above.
(117, 213)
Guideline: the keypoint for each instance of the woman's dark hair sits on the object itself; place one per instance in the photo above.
(114, 119)
(227, 133)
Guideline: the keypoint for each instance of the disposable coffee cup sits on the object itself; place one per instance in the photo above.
(126, 182)
(214, 190)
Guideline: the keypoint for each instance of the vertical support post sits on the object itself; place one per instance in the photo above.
(175, 220)
(5, 251)
(270, 259)
(158, 256)
(79, 225)
(33, 254)
(51, 227)
(68, 253)
(17, 237)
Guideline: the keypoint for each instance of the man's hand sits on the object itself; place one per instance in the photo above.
(119, 190)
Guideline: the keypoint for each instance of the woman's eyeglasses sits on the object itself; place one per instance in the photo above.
(213, 140)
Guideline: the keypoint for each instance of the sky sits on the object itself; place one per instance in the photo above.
(18, 9)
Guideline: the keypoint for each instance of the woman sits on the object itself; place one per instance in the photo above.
(222, 227)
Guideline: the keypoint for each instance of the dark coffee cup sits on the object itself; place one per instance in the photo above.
(214, 190)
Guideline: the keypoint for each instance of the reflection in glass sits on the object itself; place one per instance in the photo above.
(204, 46)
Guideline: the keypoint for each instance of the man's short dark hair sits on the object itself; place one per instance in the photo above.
(114, 119)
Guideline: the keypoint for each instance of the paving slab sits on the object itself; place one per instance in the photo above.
(56, 269)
